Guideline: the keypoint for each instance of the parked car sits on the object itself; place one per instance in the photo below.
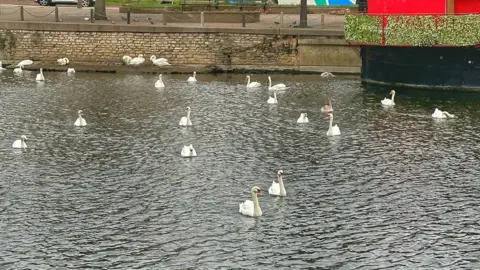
(85, 3)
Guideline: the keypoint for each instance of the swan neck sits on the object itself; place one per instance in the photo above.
(331, 123)
(248, 80)
(330, 102)
(269, 82)
(275, 95)
(256, 205)
(282, 187)
(393, 96)
(188, 115)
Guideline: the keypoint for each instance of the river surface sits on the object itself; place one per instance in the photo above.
(396, 190)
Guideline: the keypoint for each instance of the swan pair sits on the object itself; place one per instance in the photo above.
(159, 62)
(20, 143)
(80, 122)
(441, 114)
(63, 61)
(192, 78)
(252, 207)
(40, 77)
(159, 83)
(136, 61)
(188, 151)
(389, 102)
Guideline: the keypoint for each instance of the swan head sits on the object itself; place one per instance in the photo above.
(160, 76)
(79, 112)
(392, 92)
(190, 147)
(140, 55)
(188, 108)
(330, 115)
(280, 172)
(24, 137)
(153, 57)
(257, 191)
(194, 73)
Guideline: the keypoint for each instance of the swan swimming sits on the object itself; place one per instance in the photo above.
(24, 63)
(159, 83)
(185, 121)
(159, 62)
(192, 78)
(1, 66)
(278, 189)
(273, 100)
(326, 74)
(188, 151)
(303, 118)
(18, 70)
(278, 86)
(441, 114)
(70, 70)
(252, 84)
(20, 143)
(327, 108)
(137, 61)
(389, 102)
(80, 121)
(63, 61)
(251, 208)
(40, 77)
(335, 130)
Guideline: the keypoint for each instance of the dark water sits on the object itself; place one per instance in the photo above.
(397, 190)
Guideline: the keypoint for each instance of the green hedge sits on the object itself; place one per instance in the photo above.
(460, 30)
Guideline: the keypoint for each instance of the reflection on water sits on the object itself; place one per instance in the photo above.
(396, 190)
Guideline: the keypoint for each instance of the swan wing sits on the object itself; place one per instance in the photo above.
(246, 208)
(191, 79)
(185, 151)
(189, 122)
(159, 84)
(336, 130)
(17, 144)
(183, 121)
(78, 122)
(274, 189)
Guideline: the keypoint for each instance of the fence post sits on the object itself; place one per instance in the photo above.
(92, 15)
(21, 14)
(202, 19)
(56, 13)
(164, 18)
(322, 19)
(281, 19)
(128, 16)
(243, 19)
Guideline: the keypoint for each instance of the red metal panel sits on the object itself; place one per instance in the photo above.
(467, 6)
(412, 6)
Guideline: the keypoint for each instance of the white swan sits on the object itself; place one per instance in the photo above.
(326, 74)
(126, 59)
(252, 84)
(273, 100)
(278, 86)
(278, 189)
(335, 130)
(441, 114)
(70, 70)
(327, 108)
(20, 143)
(18, 70)
(137, 60)
(251, 208)
(192, 78)
(389, 102)
(303, 118)
(63, 61)
(159, 61)
(188, 151)
(159, 83)
(40, 77)
(24, 63)
(1, 66)
(80, 120)
(185, 121)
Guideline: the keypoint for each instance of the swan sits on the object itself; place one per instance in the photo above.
(303, 118)
(327, 108)
(389, 102)
(252, 84)
(188, 151)
(1, 66)
(80, 120)
(273, 100)
(326, 74)
(126, 59)
(24, 63)
(40, 77)
(192, 78)
(18, 70)
(70, 70)
(335, 130)
(63, 61)
(159, 83)
(20, 143)
(277, 86)
(441, 114)
(185, 121)
(251, 208)
(278, 189)
(137, 60)
(159, 61)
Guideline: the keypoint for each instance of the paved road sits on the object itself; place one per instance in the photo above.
(10, 11)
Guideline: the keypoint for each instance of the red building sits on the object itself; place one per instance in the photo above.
(418, 43)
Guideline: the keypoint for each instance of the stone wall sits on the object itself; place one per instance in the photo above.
(225, 49)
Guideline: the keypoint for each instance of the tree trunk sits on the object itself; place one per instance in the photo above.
(303, 14)
(100, 10)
